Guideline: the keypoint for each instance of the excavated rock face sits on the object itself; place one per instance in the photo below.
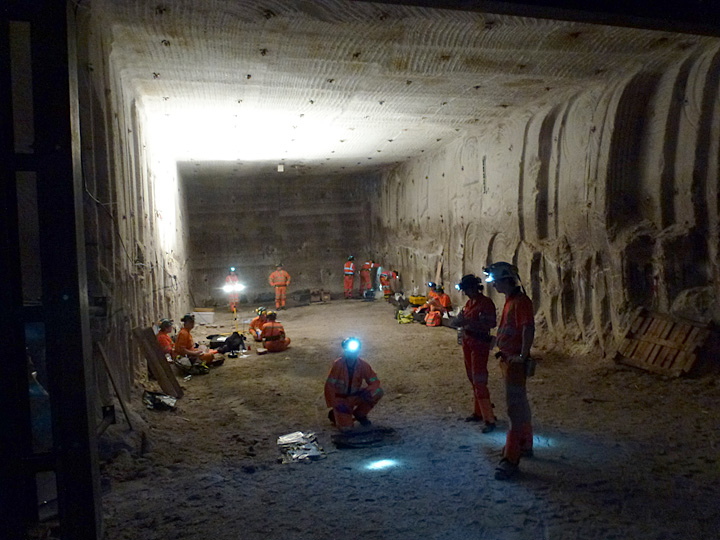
(586, 154)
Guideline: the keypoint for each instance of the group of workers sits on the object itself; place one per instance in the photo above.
(352, 388)
(385, 277)
(515, 335)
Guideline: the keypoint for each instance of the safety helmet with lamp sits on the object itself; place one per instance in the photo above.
(439, 289)
(271, 315)
(188, 317)
(232, 268)
(351, 258)
(165, 323)
(261, 310)
(501, 270)
(351, 345)
(469, 281)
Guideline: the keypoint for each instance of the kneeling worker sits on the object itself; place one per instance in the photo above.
(256, 325)
(273, 334)
(185, 345)
(344, 391)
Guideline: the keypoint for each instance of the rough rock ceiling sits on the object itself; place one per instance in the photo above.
(329, 86)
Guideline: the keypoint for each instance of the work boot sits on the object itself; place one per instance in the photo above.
(364, 421)
(505, 470)
(489, 426)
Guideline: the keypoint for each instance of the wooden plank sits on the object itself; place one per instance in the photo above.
(114, 385)
(662, 357)
(627, 346)
(654, 352)
(682, 334)
(644, 326)
(666, 330)
(689, 362)
(159, 366)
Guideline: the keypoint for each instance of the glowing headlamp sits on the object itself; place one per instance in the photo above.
(351, 345)
(489, 278)
(232, 268)
(457, 287)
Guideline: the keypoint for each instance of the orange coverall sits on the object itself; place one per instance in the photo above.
(256, 326)
(476, 349)
(385, 277)
(346, 396)
(185, 343)
(365, 276)
(349, 272)
(165, 341)
(273, 334)
(232, 279)
(279, 279)
(517, 314)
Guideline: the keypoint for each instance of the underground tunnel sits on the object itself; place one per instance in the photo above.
(149, 147)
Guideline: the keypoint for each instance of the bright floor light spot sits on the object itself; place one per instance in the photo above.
(381, 464)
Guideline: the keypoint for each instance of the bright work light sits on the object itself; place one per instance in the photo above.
(381, 464)
(351, 344)
(234, 287)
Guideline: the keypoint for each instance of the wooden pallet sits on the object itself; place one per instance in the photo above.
(662, 344)
(159, 366)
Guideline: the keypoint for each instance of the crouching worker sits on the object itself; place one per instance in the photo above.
(256, 325)
(185, 345)
(273, 334)
(344, 391)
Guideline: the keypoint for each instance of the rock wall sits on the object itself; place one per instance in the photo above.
(134, 226)
(606, 201)
(309, 223)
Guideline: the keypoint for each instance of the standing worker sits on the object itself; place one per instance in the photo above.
(349, 272)
(232, 285)
(365, 276)
(279, 279)
(475, 321)
(514, 338)
(273, 334)
(344, 392)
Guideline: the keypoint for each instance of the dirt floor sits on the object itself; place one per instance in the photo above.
(619, 453)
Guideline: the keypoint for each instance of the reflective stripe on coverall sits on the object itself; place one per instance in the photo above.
(273, 334)
(476, 352)
(346, 397)
(517, 313)
(233, 296)
(280, 279)
(349, 272)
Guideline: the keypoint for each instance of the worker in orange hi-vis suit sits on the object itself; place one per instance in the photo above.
(273, 334)
(365, 284)
(185, 345)
(441, 302)
(431, 297)
(163, 336)
(256, 325)
(515, 336)
(344, 391)
(474, 322)
(280, 279)
(385, 277)
(349, 273)
(232, 281)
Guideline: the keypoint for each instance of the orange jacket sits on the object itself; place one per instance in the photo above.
(441, 302)
(273, 331)
(279, 278)
(165, 342)
(184, 343)
(482, 312)
(257, 323)
(367, 266)
(349, 268)
(338, 385)
(517, 313)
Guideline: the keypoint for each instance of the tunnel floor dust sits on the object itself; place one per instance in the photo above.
(619, 453)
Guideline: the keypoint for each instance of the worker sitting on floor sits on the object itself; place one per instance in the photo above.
(432, 299)
(256, 325)
(273, 334)
(163, 336)
(185, 345)
(344, 392)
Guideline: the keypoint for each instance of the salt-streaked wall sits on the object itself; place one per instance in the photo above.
(134, 213)
(606, 201)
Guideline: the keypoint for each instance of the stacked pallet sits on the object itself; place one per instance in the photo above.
(662, 344)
